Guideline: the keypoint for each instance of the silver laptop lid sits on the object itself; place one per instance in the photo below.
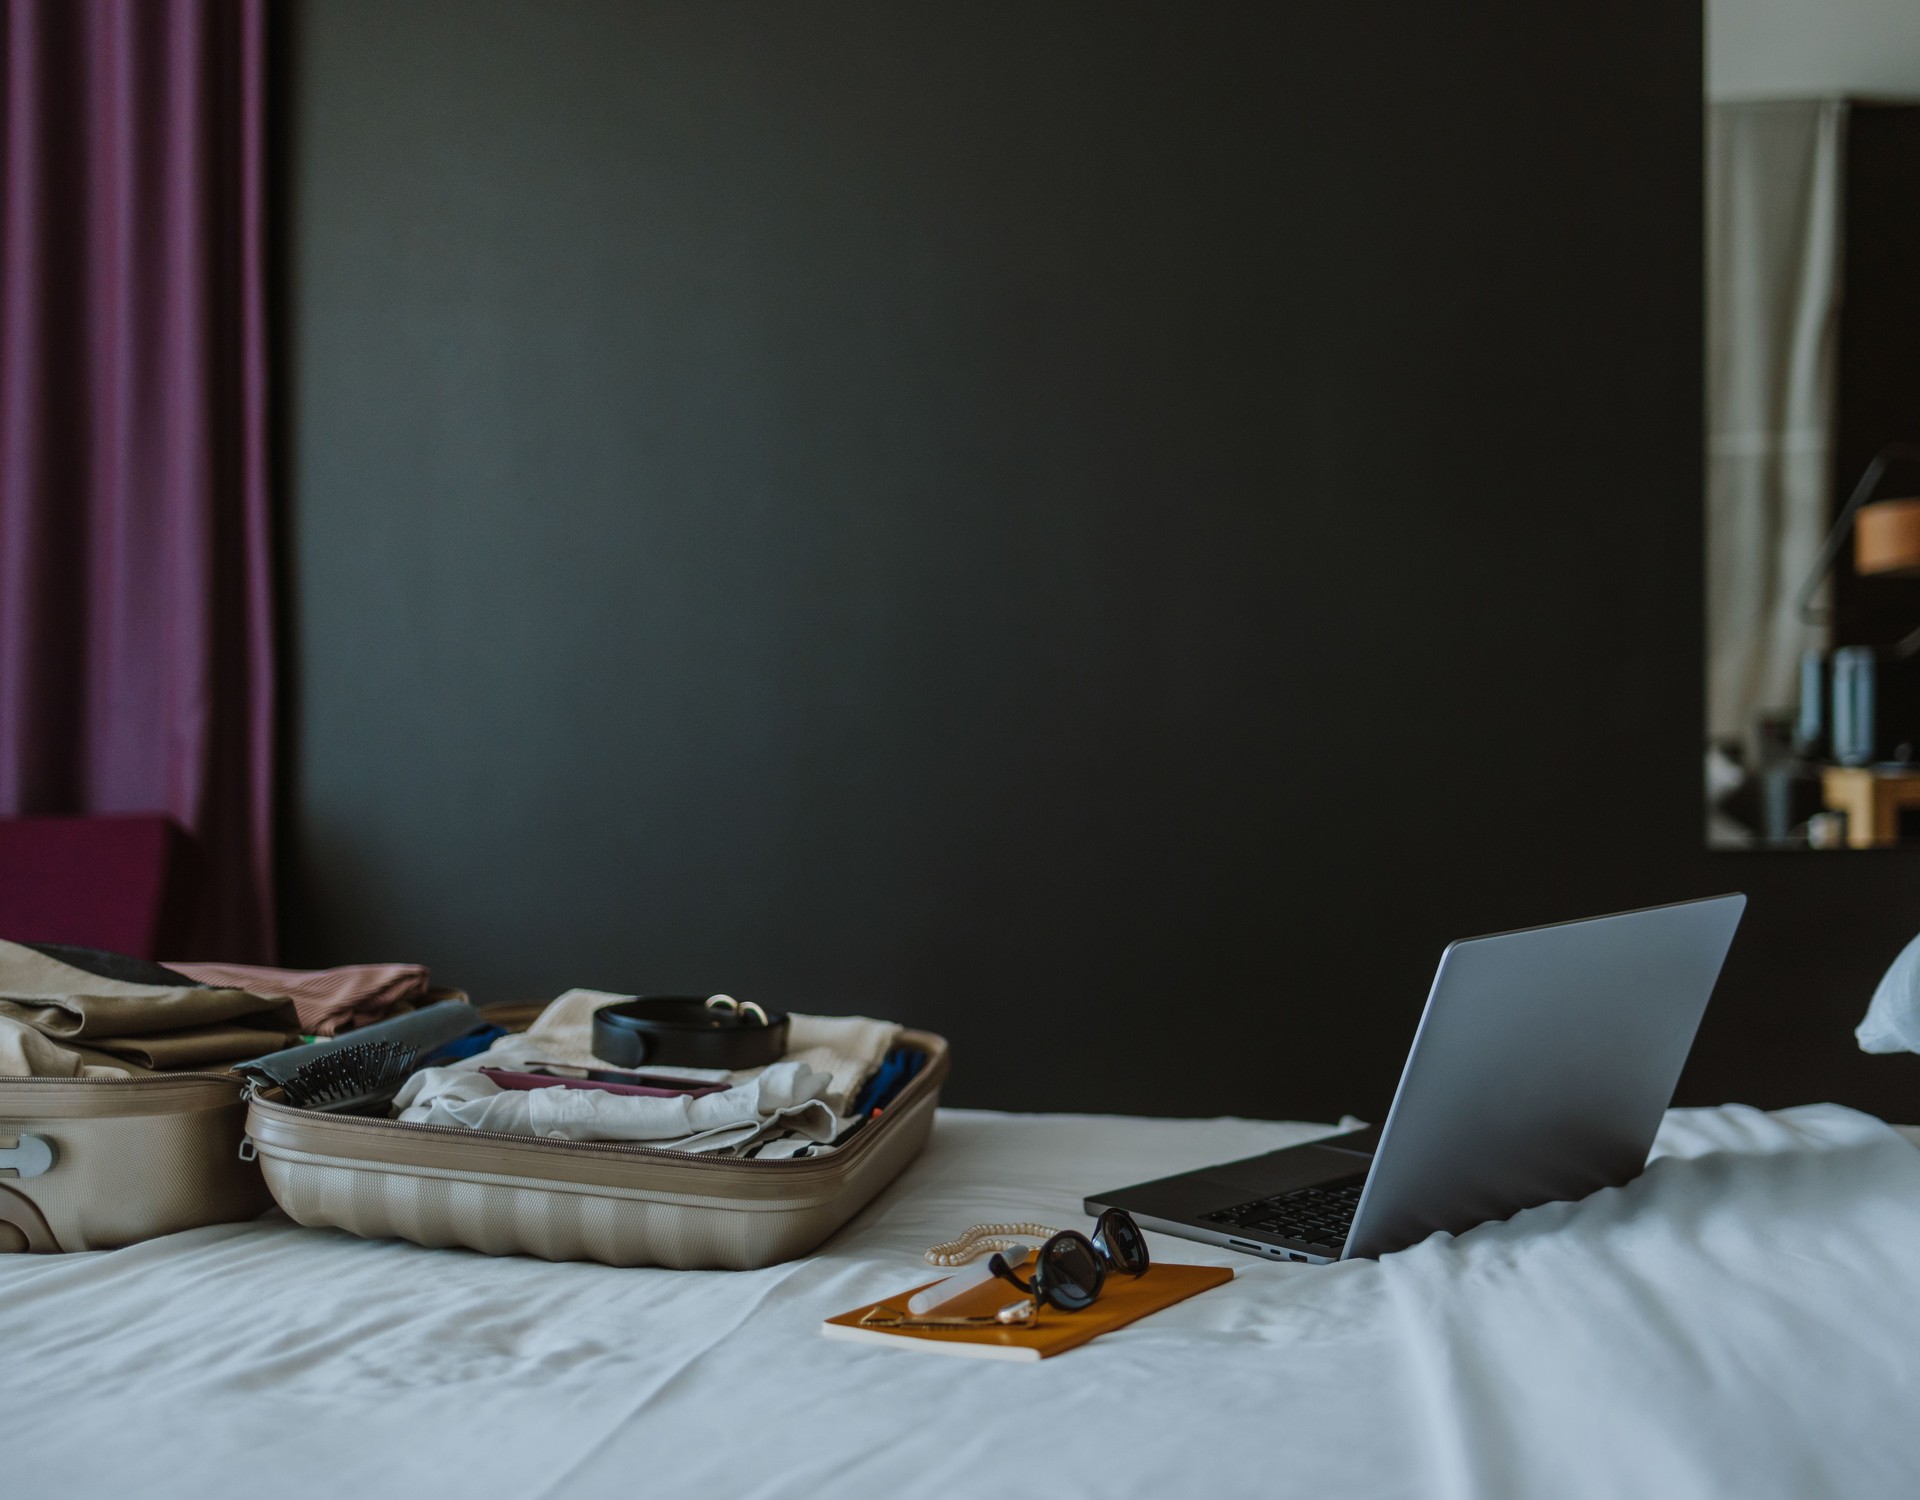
(1542, 1066)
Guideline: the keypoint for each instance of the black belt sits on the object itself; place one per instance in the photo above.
(689, 1032)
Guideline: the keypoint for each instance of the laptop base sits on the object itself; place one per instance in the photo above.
(1190, 1204)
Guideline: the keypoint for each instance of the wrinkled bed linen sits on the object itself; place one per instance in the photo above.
(802, 1108)
(1741, 1321)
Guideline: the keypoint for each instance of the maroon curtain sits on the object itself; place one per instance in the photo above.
(136, 660)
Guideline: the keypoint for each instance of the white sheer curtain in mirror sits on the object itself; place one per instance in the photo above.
(1774, 183)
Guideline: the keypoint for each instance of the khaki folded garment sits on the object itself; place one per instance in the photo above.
(25, 1053)
(149, 1016)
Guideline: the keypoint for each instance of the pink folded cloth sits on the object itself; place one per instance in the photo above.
(327, 1001)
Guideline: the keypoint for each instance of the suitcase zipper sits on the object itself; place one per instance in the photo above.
(131, 1078)
(132, 1090)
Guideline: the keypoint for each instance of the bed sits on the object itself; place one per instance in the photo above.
(1742, 1320)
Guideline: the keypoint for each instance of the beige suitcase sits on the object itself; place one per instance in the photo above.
(94, 1163)
(620, 1204)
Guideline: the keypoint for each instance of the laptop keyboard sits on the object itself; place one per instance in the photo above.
(1317, 1216)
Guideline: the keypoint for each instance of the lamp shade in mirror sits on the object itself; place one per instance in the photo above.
(1886, 538)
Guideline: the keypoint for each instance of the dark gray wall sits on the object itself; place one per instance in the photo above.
(1110, 531)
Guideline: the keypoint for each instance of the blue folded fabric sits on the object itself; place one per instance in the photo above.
(896, 1071)
(462, 1047)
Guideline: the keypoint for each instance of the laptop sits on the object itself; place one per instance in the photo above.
(1540, 1071)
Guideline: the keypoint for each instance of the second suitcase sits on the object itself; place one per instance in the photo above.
(96, 1163)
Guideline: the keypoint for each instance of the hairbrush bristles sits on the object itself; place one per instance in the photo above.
(359, 1078)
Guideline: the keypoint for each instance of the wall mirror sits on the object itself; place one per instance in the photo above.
(1813, 424)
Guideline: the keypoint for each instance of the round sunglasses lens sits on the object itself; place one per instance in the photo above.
(1124, 1242)
(1073, 1272)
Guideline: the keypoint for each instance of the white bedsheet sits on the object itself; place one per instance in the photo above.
(1744, 1320)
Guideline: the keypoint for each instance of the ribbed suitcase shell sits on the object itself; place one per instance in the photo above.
(132, 1158)
(620, 1204)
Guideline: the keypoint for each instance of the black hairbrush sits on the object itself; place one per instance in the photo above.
(359, 1078)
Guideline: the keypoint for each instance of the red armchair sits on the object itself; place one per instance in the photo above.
(123, 883)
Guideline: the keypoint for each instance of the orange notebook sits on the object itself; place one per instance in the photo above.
(1124, 1300)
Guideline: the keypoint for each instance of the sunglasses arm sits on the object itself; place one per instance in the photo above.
(998, 1265)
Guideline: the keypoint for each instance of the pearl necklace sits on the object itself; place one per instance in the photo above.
(982, 1238)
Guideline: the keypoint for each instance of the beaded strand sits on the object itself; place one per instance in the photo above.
(982, 1238)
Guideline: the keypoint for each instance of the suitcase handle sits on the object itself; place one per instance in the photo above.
(29, 1156)
(24, 1217)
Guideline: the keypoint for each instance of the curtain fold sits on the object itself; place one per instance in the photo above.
(136, 609)
(1775, 174)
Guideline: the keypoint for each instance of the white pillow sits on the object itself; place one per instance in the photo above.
(1892, 1021)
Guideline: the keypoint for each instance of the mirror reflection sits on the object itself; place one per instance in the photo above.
(1813, 425)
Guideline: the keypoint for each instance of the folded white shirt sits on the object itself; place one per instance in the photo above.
(785, 1109)
(846, 1048)
(786, 1097)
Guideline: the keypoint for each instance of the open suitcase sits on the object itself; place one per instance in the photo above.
(613, 1202)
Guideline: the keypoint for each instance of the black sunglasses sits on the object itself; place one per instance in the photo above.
(1070, 1269)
